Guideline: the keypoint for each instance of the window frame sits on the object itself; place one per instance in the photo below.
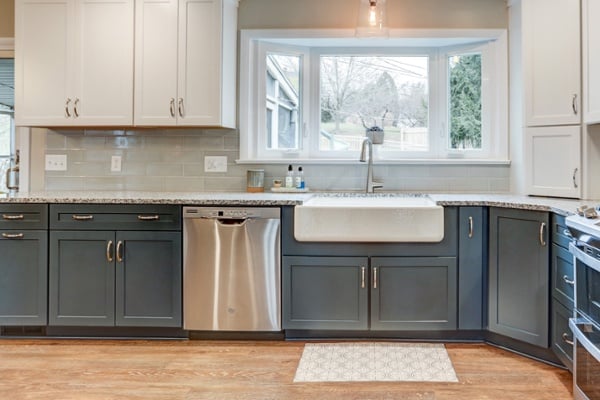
(491, 43)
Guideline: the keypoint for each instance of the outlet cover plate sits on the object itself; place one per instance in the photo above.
(215, 164)
(115, 164)
(56, 162)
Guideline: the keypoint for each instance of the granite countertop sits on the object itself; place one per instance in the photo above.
(560, 206)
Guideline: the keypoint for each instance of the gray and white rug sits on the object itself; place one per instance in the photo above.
(380, 361)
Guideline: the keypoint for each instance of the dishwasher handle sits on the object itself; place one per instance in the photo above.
(231, 221)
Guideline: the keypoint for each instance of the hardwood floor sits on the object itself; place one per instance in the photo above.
(194, 370)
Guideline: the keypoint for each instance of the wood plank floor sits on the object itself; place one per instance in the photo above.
(197, 369)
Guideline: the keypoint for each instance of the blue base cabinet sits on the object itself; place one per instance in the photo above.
(519, 278)
(127, 278)
(361, 293)
(23, 264)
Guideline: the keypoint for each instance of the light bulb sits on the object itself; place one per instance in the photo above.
(373, 13)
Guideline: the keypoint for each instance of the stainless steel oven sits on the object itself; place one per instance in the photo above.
(585, 324)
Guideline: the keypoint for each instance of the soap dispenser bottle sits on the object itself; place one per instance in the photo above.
(289, 179)
(300, 179)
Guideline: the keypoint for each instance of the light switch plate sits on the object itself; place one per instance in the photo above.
(56, 162)
(215, 164)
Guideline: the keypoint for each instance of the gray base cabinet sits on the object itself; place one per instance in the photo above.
(23, 264)
(358, 293)
(519, 275)
(328, 293)
(100, 277)
(413, 293)
(23, 277)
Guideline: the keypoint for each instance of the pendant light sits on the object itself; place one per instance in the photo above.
(372, 19)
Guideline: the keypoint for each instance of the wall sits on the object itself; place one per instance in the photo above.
(172, 160)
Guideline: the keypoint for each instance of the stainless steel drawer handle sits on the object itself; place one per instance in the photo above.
(13, 217)
(568, 281)
(75, 111)
(119, 251)
(542, 229)
(67, 113)
(172, 107)
(148, 217)
(470, 227)
(565, 338)
(180, 107)
(83, 217)
(362, 277)
(109, 251)
(375, 278)
(13, 235)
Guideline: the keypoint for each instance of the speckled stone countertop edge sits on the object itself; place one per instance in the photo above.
(560, 206)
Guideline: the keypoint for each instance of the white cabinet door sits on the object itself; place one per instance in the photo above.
(185, 70)
(552, 63)
(44, 64)
(74, 62)
(591, 60)
(104, 87)
(155, 62)
(199, 62)
(553, 161)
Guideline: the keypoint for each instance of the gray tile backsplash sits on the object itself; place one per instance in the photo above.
(173, 160)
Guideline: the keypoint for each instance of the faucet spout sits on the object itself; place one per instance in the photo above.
(367, 145)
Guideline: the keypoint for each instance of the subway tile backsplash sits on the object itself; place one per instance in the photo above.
(173, 160)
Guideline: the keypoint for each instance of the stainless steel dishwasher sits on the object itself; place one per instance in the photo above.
(231, 269)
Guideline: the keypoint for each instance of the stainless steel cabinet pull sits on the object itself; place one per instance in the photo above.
(180, 107)
(109, 251)
(574, 176)
(565, 338)
(13, 217)
(568, 281)
(83, 217)
(67, 113)
(470, 227)
(362, 277)
(575, 104)
(148, 217)
(542, 229)
(567, 233)
(119, 251)
(375, 278)
(75, 112)
(13, 235)
(172, 107)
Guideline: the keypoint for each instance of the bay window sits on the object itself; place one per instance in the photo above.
(312, 96)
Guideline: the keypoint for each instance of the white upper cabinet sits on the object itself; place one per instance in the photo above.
(185, 70)
(553, 161)
(74, 62)
(551, 62)
(591, 60)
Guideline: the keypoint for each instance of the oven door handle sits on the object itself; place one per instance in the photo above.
(584, 258)
(575, 324)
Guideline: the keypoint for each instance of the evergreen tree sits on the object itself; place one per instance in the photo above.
(465, 102)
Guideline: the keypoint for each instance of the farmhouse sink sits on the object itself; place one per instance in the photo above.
(369, 219)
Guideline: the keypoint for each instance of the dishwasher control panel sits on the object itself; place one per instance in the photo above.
(230, 212)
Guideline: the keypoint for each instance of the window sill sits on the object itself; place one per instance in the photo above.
(417, 161)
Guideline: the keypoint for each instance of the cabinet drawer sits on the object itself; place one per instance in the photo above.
(23, 216)
(561, 334)
(558, 231)
(115, 217)
(563, 276)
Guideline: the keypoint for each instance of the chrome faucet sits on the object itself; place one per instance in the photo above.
(371, 183)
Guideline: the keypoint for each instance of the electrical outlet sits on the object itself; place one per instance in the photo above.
(215, 164)
(56, 162)
(115, 164)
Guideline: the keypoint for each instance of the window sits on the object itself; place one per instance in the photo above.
(6, 105)
(312, 96)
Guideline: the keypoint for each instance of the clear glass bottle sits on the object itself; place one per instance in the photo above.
(300, 179)
(289, 179)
